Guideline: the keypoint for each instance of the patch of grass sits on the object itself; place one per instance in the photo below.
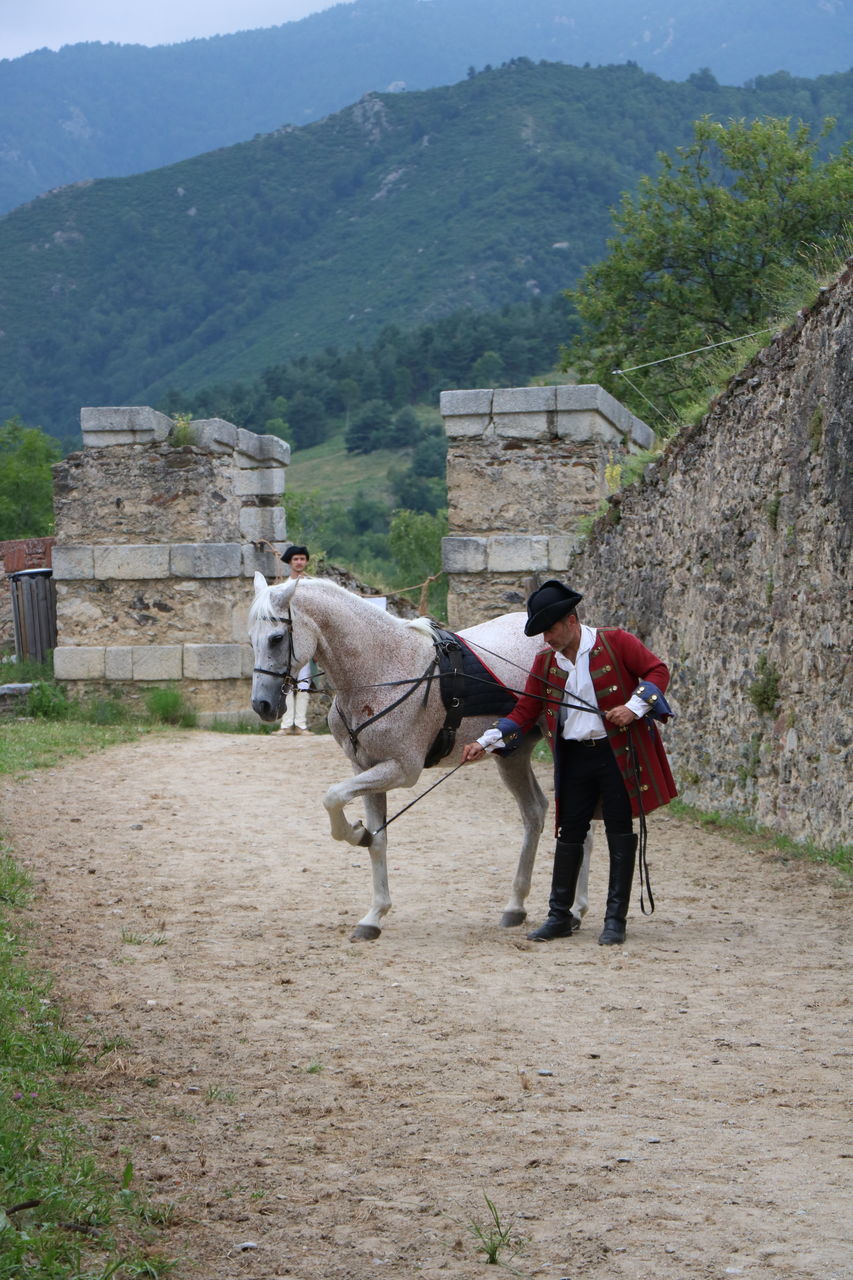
(166, 704)
(25, 671)
(39, 744)
(48, 701)
(133, 939)
(745, 830)
(494, 1236)
(63, 1217)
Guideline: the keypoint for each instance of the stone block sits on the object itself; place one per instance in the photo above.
(587, 424)
(248, 661)
(463, 555)
(206, 560)
(507, 553)
(131, 562)
(524, 400)
(262, 482)
(263, 524)
(119, 662)
(466, 404)
(260, 451)
(459, 428)
(255, 561)
(72, 563)
(213, 661)
(78, 662)
(523, 426)
(524, 413)
(158, 661)
(588, 397)
(124, 424)
(561, 549)
(215, 435)
(642, 434)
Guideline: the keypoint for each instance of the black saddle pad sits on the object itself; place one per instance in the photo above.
(482, 693)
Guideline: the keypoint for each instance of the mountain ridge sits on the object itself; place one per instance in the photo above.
(399, 209)
(97, 110)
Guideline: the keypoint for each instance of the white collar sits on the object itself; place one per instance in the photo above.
(587, 640)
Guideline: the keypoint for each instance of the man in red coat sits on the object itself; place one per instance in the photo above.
(599, 693)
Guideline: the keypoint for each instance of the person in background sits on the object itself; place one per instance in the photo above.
(599, 691)
(295, 718)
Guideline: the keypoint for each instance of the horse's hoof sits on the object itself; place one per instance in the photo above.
(364, 839)
(365, 933)
(510, 919)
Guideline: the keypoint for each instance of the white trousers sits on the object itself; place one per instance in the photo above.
(295, 711)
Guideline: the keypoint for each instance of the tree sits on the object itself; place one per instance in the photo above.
(703, 253)
(26, 482)
(369, 428)
(415, 540)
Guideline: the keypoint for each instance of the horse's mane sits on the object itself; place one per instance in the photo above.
(272, 599)
(263, 609)
(421, 624)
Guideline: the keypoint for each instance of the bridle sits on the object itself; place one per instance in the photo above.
(288, 680)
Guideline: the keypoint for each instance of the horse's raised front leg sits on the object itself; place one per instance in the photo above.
(382, 777)
(372, 784)
(518, 776)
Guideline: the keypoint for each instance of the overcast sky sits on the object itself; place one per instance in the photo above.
(39, 24)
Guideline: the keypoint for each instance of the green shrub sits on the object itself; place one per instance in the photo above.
(104, 711)
(764, 691)
(167, 705)
(48, 701)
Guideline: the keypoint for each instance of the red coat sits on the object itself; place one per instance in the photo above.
(618, 661)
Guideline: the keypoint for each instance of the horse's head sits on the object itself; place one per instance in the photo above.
(282, 644)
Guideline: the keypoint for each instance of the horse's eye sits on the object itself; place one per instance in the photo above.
(276, 638)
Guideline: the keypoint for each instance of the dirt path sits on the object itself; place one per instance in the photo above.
(671, 1109)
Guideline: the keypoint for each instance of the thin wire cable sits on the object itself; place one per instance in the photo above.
(681, 354)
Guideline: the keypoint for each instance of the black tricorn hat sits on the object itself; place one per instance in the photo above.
(548, 604)
(295, 551)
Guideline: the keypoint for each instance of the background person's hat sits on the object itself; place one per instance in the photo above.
(548, 604)
(295, 551)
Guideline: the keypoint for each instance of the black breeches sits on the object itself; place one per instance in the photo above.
(588, 773)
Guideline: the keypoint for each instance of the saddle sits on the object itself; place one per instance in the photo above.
(468, 688)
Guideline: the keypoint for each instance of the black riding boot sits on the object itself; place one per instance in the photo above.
(561, 923)
(623, 853)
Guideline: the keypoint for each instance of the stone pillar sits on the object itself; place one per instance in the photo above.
(523, 465)
(156, 544)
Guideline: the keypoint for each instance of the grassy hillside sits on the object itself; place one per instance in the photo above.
(339, 476)
(93, 110)
(398, 210)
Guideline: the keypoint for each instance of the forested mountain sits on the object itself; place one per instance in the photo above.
(398, 210)
(93, 110)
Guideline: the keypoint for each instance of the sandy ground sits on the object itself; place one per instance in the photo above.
(318, 1109)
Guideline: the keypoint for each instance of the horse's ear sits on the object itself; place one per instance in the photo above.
(260, 583)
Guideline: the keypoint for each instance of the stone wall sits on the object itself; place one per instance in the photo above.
(156, 545)
(523, 464)
(732, 560)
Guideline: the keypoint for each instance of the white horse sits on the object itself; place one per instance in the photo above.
(371, 660)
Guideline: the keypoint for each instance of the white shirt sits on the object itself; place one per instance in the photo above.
(579, 725)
